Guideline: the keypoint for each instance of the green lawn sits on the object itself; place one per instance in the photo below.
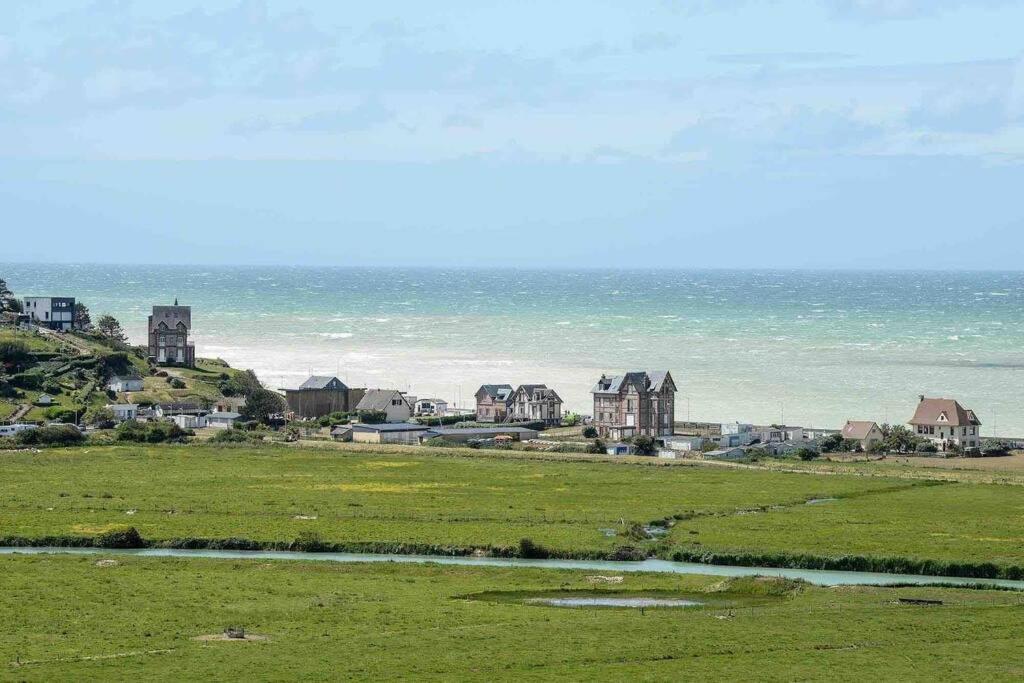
(68, 618)
(269, 494)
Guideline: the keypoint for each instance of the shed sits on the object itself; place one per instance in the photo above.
(398, 432)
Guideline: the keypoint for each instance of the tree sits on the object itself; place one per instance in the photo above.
(262, 404)
(8, 304)
(110, 328)
(100, 417)
(82, 319)
(590, 432)
(240, 384)
(806, 453)
(644, 445)
(14, 353)
(900, 439)
(832, 443)
(597, 447)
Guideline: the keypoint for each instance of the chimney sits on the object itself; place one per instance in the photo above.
(921, 398)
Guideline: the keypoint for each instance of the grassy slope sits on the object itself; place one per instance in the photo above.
(208, 492)
(378, 622)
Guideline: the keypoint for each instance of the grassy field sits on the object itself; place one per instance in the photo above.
(477, 499)
(139, 618)
(278, 493)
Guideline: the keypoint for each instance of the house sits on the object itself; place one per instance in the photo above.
(391, 402)
(222, 420)
(189, 421)
(322, 395)
(778, 433)
(44, 400)
(492, 402)
(342, 433)
(121, 383)
(866, 433)
(168, 332)
(735, 440)
(726, 454)
(742, 428)
(684, 443)
(634, 404)
(435, 407)
(946, 423)
(779, 448)
(535, 403)
(169, 409)
(11, 430)
(54, 312)
(619, 449)
(463, 435)
(394, 432)
(123, 411)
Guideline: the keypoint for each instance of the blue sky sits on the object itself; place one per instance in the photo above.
(728, 133)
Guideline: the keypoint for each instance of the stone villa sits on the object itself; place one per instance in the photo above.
(946, 423)
(169, 330)
(635, 404)
(535, 402)
(492, 402)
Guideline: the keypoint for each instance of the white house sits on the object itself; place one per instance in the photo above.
(125, 383)
(11, 430)
(946, 423)
(44, 400)
(123, 411)
(54, 312)
(391, 402)
(683, 443)
(436, 407)
(222, 420)
(189, 421)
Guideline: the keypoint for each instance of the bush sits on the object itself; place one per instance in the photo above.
(644, 445)
(570, 420)
(806, 454)
(929, 448)
(372, 417)
(444, 420)
(597, 447)
(120, 538)
(590, 432)
(176, 382)
(13, 352)
(530, 550)
(53, 435)
(151, 432)
(28, 380)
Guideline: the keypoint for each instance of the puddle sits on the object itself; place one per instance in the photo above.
(609, 533)
(820, 501)
(635, 603)
(655, 531)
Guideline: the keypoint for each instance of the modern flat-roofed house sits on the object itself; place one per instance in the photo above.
(396, 432)
(119, 383)
(169, 330)
(946, 423)
(391, 402)
(492, 402)
(229, 404)
(435, 407)
(866, 432)
(189, 421)
(170, 409)
(54, 312)
(535, 402)
(222, 420)
(322, 395)
(635, 404)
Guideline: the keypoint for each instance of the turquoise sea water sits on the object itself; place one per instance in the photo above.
(813, 348)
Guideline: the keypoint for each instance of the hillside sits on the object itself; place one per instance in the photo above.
(73, 369)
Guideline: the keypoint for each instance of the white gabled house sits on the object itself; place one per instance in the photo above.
(946, 423)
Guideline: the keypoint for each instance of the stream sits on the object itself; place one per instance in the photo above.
(814, 576)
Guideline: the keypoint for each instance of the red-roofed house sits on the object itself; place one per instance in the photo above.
(946, 423)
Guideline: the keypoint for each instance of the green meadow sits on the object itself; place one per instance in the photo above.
(449, 500)
(130, 618)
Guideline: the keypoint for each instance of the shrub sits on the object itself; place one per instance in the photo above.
(929, 448)
(61, 414)
(529, 549)
(372, 417)
(151, 432)
(590, 432)
(27, 380)
(807, 454)
(597, 447)
(53, 435)
(570, 420)
(176, 382)
(13, 352)
(120, 538)
(444, 420)
(644, 445)
(235, 436)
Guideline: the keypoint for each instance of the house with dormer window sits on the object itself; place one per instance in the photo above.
(535, 403)
(169, 330)
(635, 404)
(946, 423)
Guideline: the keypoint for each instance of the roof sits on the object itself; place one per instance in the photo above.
(124, 378)
(943, 411)
(531, 389)
(321, 382)
(123, 406)
(644, 381)
(180, 406)
(859, 430)
(341, 429)
(224, 415)
(378, 399)
(499, 392)
(390, 427)
(432, 400)
(171, 316)
(479, 431)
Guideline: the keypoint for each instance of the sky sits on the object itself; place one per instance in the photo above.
(708, 133)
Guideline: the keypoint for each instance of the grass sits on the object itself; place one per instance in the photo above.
(137, 619)
(431, 497)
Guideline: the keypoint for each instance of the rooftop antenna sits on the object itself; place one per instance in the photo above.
(175, 301)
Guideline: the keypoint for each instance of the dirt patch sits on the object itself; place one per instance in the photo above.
(107, 563)
(604, 580)
(225, 638)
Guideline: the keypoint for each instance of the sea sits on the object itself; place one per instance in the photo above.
(796, 347)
